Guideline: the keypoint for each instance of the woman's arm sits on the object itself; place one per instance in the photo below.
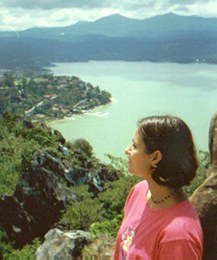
(180, 250)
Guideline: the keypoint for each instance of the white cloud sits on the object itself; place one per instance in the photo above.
(38, 15)
(51, 4)
(19, 19)
(208, 9)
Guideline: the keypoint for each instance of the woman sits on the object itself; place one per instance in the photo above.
(159, 222)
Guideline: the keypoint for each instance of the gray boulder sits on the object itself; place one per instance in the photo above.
(63, 245)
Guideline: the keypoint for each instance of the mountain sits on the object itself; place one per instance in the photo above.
(110, 26)
(167, 37)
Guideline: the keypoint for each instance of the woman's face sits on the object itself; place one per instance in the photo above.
(139, 162)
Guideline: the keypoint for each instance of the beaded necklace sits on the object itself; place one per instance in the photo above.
(165, 198)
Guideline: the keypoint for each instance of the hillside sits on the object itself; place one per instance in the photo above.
(43, 96)
(166, 37)
(47, 182)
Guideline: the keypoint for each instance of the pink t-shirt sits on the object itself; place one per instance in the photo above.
(168, 233)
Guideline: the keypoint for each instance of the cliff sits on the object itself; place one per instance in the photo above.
(50, 173)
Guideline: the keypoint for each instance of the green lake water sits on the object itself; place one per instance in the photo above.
(140, 89)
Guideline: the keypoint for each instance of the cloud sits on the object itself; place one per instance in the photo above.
(24, 14)
(19, 19)
(92, 4)
(206, 10)
(52, 4)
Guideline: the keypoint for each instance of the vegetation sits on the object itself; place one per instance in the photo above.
(101, 215)
(17, 146)
(42, 96)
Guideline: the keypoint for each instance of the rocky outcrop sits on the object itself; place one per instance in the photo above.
(37, 201)
(100, 248)
(205, 198)
(205, 201)
(43, 191)
(15, 220)
(63, 245)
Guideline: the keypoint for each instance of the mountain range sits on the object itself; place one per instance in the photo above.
(162, 38)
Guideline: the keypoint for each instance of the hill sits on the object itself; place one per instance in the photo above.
(169, 37)
(44, 96)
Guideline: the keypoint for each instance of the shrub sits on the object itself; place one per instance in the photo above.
(83, 146)
(107, 227)
(27, 252)
(82, 214)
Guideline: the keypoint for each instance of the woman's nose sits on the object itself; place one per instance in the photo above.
(127, 150)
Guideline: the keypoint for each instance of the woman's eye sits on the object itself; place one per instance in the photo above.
(134, 146)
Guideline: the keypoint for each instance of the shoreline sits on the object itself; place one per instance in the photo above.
(54, 64)
(50, 121)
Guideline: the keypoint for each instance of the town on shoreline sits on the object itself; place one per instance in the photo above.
(43, 97)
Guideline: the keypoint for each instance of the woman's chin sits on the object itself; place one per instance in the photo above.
(130, 170)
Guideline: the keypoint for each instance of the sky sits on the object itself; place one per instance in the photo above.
(17, 15)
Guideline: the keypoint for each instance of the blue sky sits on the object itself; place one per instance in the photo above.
(16, 15)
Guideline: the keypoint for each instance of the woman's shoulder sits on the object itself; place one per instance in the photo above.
(141, 185)
(183, 222)
(138, 191)
(139, 188)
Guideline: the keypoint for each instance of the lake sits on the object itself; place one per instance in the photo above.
(140, 89)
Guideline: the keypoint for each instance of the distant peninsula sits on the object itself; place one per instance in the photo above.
(45, 96)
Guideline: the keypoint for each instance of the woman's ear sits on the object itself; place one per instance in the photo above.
(157, 156)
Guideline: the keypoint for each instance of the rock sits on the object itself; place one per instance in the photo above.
(63, 245)
(15, 220)
(100, 248)
(99, 178)
(42, 193)
(204, 198)
(38, 200)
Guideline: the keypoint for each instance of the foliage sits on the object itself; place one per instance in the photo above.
(83, 146)
(5, 246)
(18, 143)
(8, 252)
(27, 252)
(81, 214)
(118, 163)
(108, 228)
(101, 214)
(45, 95)
(115, 194)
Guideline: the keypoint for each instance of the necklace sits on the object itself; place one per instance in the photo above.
(164, 199)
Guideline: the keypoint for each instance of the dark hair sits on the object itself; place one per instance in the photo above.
(172, 137)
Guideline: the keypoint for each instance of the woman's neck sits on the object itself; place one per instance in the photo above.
(160, 196)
